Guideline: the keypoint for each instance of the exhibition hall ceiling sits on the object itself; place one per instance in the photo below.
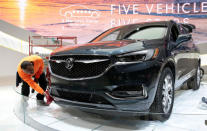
(88, 18)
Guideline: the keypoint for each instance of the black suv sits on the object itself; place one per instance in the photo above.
(131, 68)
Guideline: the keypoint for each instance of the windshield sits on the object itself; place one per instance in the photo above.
(149, 33)
(143, 33)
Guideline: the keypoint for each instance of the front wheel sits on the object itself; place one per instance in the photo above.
(163, 103)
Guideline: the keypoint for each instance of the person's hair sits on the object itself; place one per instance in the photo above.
(25, 64)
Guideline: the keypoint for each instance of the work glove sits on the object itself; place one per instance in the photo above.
(48, 97)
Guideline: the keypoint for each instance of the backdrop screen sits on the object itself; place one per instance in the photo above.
(88, 18)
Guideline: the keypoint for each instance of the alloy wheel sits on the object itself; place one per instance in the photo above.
(167, 93)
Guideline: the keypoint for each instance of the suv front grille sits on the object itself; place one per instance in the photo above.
(79, 69)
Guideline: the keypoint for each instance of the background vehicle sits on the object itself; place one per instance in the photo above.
(132, 68)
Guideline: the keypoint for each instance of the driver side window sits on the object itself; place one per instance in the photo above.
(174, 33)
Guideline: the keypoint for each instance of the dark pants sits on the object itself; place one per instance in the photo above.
(26, 88)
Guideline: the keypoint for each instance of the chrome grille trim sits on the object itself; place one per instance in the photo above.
(82, 61)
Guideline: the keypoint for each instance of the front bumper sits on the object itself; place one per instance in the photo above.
(100, 93)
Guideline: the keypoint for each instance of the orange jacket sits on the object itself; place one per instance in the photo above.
(38, 70)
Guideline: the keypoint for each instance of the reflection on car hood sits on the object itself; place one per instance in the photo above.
(102, 48)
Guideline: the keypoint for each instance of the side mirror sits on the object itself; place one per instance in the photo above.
(183, 38)
(189, 27)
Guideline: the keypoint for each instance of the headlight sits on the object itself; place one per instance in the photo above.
(139, 55)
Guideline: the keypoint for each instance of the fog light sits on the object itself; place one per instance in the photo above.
(133, 92)
(126, 93)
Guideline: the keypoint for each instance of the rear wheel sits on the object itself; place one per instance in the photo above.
(163, 103)
(194, 82)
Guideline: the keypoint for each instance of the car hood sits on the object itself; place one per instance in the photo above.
(105, 48)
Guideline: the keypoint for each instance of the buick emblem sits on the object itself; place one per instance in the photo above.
(69, 63)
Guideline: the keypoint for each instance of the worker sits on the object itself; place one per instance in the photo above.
(30, 73)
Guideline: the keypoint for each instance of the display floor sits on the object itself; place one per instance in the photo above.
(188, 114)
(8, 120)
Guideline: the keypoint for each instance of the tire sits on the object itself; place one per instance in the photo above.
(194, 82)
(161, 109)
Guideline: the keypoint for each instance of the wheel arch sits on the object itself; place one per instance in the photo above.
(171, 65)
(168, 63)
